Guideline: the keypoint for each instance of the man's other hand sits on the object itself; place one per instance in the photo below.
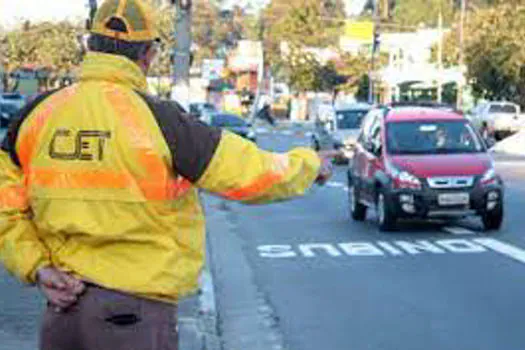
(60, 289)
(326, 170)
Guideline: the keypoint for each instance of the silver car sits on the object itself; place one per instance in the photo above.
(341, 130)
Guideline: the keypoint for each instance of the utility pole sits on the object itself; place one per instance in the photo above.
(440, 58)
(459, 101)
(375, 46)
(182, 52)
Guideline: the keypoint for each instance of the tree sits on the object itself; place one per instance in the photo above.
(495, 51)
(310, 23)
(306, 73)
(51, 45)
(409, 13)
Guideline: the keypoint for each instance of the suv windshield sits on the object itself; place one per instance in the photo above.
(350, 119)
(502, 109)
(432, 137)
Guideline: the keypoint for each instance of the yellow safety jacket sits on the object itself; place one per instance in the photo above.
(100, 180)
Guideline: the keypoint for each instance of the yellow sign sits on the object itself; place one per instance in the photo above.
(362, 30)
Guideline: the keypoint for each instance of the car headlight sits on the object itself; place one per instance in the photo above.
(349, 143)
(251, 134)
(403, 179)
(489, 176)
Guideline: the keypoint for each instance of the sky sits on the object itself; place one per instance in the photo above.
(36, 10)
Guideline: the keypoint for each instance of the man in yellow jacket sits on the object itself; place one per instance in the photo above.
(98, 193)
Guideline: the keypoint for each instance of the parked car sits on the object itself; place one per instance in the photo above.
(414, 162)
(340, 130)
(233, 123)
(10, 104)
(198, 110)
(498, 119)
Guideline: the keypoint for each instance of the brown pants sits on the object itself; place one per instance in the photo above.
(109, 320)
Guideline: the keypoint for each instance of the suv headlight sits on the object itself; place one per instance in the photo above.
(403, 179)
(406, 180)
(489, 176)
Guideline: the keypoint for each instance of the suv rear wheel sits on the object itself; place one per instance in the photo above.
(493, 220)
(385, 214)
(357, 209)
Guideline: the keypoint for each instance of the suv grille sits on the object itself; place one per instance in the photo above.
(451, 182)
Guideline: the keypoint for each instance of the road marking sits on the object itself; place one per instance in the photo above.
(390, 248)
(419, 247)
(276, 251)
(335, 184)
(399, 248)
(459, 231)
(506, 249)
(308, 249)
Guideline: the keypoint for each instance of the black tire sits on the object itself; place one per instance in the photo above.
(385, 213)
(357, 209)
(493, 220)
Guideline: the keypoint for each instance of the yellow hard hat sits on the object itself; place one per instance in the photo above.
(128, 20)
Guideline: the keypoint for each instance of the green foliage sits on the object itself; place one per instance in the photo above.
(423, 12)
(306, 73)
(495, 52)
(51, 45)
(301, 23)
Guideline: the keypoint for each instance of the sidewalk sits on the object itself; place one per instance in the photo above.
(197, 318)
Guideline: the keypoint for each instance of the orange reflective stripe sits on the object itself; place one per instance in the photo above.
(257, 187)
(13, 197)
(141, 141)
(173, 189)
(51, 178)
(103, 179)
(28, 138)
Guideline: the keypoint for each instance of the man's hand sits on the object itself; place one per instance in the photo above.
(60, 289)
(326, 171)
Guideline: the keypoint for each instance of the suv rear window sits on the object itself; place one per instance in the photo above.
(432, 137)
(502, 109)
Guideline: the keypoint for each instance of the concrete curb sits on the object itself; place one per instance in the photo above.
(197, 317)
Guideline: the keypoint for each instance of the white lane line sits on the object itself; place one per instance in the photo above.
(459, 231)
(335, 184)
(506, 249)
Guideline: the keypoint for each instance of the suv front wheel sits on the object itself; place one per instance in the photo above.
(493, 220)
(385, 213)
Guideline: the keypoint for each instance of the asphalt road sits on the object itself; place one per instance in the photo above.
(300, 275)
(321, 281)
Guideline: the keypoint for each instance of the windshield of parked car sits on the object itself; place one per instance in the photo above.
(502, 109)
(432, 137)
(350, 119)
(227, 120)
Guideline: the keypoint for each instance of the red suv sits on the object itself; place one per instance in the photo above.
(413, 162)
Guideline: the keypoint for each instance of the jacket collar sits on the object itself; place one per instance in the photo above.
(112, 68)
